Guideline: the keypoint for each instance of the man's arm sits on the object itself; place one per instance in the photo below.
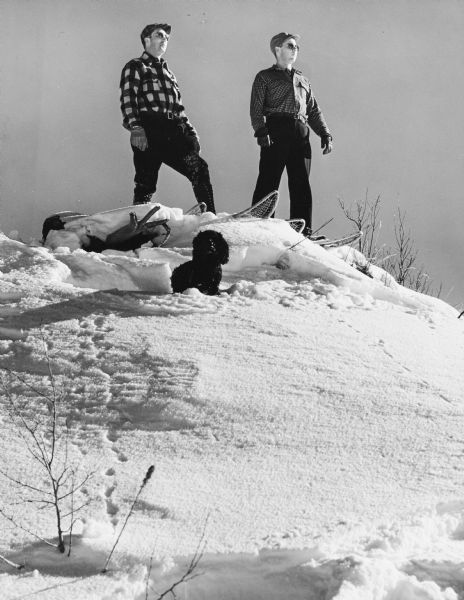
(129, 86)
(317, 123)
(258, 94)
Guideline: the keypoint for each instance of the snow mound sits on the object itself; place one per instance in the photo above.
(267, 259)
(312, 412)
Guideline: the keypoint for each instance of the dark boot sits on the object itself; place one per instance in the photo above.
(141, 198)
(308, 233)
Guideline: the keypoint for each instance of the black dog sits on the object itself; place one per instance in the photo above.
(204, 271)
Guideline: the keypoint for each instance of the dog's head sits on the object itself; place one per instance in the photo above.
(210, 244)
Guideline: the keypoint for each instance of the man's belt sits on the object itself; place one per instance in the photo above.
(166, 114)
(284, 115)
(171, 115)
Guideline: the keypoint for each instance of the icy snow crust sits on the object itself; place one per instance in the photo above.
(310, 416)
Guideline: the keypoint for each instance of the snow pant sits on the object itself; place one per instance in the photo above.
(169, 144)
(290, 149)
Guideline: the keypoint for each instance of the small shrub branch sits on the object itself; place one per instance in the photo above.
(399, 261)
(45, 436)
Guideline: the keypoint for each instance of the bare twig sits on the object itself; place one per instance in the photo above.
(45, 503)
(11, 563)
(190, 572)
(72, 516)
(23, 484)
(24, 382)
(304, 237)
(19, 526)
(365, 215)
(76, 510)
(406, 253)
(322, 226)
(73, 489)
(147, 583)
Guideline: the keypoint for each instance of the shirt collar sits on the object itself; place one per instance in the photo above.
(292, 71)
(152, 59)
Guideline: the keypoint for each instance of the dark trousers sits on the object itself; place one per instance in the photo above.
(168, 144)
(289, 149)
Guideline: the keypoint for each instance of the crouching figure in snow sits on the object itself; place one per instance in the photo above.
(204, 271)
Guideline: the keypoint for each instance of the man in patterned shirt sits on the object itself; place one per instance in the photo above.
(160, 131)
(282, 110)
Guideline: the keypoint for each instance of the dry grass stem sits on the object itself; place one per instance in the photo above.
(146, 479)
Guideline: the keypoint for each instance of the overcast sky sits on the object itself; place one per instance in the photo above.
(387, 75)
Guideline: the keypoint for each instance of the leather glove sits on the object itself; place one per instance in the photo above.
(264, 141)
(326, 144)
(138, 139)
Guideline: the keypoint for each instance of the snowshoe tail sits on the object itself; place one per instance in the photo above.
(263, 209)
(198, 209)
(342, 241)
(297, 224)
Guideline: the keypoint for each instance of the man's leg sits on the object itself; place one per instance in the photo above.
(195, 168)
(271, 166)
(301, 202)
(147, 164)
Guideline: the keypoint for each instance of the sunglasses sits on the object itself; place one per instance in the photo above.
(292, 46)
(161, 35)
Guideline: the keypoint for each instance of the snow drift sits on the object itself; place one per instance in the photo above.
(307, 421)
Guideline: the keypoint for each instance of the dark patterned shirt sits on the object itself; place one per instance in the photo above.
(278, 90)
(148, 84)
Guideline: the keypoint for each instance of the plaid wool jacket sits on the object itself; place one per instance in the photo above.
(147, 84)
(280, 91)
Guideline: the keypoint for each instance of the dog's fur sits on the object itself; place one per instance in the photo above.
(204, 271)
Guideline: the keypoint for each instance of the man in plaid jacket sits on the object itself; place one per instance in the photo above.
(160, 131)
(282, 110)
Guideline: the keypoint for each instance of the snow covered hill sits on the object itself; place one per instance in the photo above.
(307, 422)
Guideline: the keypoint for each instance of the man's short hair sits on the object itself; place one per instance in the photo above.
(149, 29)
(280, 38)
